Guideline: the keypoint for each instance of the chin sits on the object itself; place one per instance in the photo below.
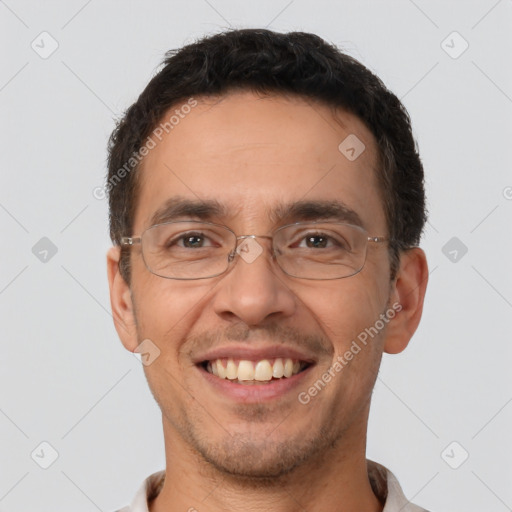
(263, 461)
(247, 460)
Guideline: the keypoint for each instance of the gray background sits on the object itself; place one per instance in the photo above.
(64, 376)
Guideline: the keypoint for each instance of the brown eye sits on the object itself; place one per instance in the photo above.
(192, 240)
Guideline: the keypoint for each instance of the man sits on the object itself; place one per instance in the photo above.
(266, 202)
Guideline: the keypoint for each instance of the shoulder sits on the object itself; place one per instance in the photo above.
(148, 490)
(386, 487)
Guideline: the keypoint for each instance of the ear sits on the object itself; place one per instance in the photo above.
(121, 301)
(408, 291)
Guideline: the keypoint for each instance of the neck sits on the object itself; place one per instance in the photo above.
(334, 481)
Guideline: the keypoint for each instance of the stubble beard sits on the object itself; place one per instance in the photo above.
(264, 459)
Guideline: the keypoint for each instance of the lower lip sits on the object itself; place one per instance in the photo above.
(246, 393)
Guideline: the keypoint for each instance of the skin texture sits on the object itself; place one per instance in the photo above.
(250, 152)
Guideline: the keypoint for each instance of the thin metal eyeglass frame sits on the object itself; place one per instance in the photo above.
(127, 241)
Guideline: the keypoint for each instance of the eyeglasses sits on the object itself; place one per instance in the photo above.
(201, 250)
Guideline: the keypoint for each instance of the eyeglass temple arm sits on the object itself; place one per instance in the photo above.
(378, 239)
(128, 240)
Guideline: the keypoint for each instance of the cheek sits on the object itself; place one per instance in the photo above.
(347, 308)
(357, 336)
(166, 312)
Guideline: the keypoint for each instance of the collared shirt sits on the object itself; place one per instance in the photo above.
(383, 482)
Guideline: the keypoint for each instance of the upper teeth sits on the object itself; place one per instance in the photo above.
(263, 370)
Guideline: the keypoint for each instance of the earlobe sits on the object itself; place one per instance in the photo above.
(121, 302)
(408, 291)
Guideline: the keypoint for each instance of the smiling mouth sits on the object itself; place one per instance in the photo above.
(243, 371)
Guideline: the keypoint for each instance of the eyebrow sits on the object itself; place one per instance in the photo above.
(178, 207)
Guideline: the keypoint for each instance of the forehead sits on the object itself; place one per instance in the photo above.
(254, 153)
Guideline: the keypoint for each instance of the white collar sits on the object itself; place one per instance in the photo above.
(383, 482)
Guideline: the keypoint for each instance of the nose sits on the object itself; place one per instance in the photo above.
(254, 289)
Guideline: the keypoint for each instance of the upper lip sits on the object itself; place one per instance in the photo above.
(254, 354)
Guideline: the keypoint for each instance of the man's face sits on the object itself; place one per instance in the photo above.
(251, 154)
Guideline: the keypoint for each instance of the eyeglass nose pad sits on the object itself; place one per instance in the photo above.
(275, 253)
